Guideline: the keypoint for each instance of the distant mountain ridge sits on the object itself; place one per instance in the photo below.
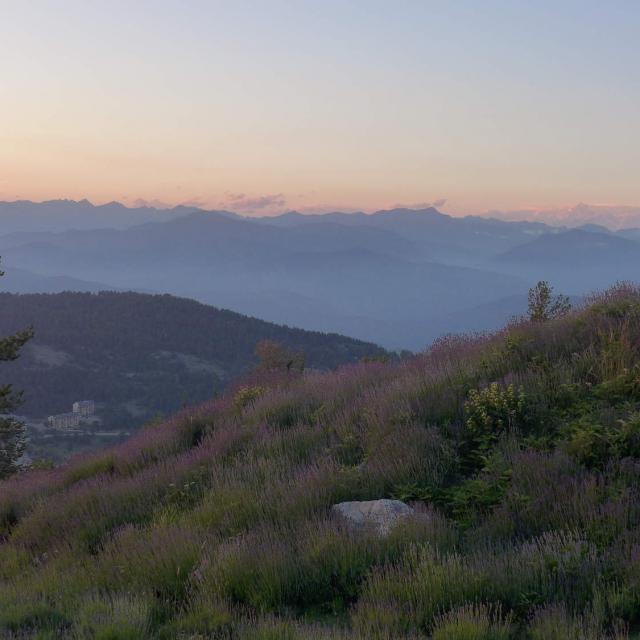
(576, 258)
(23, 281)
(399, 278)
(379, 283)
(613, 217)
(63, 215)
(576, 247)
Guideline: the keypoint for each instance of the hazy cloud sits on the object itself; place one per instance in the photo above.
(420, 205)
(196, 201)
(154, 203)
(242, 202)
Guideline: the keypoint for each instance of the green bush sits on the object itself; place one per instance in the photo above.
(92, 467)
(106, 616)
(33, 614)
(594, 445)
(203, 619)
(489, 414)
(473, 622)
(474, 497)
(246, 396)
(555, 622)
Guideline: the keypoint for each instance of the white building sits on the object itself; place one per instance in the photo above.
(84, 407)
(64, 421)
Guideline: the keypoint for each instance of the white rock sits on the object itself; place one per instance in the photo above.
(379, 516)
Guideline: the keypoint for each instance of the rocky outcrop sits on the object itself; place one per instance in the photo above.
(377, 516)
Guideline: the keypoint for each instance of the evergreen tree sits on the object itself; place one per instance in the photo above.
(11, 430)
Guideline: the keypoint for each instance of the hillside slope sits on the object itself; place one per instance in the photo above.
(141, 354)
(520, 453)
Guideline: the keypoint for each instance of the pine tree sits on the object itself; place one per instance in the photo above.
(11, 430)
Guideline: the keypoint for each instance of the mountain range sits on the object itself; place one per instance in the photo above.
(400, 278)
(609, 216)
(58, 215)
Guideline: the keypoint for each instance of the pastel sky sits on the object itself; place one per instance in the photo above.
(268, 105)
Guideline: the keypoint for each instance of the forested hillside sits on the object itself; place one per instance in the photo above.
(140, 355)
(519, 453)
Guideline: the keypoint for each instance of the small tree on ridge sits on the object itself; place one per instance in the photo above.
(273, 356)
(543, 305)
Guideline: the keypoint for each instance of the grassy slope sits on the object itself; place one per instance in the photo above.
(216, 524)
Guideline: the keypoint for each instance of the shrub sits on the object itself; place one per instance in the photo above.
(425, 582)
(202, 619)
(89, 468)
(122, 616)
(246, 396)
(595, 445)
(32, 614)
(160, 560)
(315, 566)
(554, 622)
(415, 589)
(489, 414)
(472, 622)
(473, 498)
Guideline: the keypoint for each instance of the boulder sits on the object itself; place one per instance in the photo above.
(378, 516)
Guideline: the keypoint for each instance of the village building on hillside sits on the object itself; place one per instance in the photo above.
(64, 420)
(84, 407)
(80, 409)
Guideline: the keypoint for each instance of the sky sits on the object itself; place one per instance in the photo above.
(270, 105)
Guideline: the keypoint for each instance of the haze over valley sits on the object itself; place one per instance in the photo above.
(399, 278)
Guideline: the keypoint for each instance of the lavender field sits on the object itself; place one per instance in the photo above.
(519, 452)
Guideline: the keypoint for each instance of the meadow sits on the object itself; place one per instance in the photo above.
(519, 451)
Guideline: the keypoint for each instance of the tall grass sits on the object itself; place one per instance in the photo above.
(520, 452)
